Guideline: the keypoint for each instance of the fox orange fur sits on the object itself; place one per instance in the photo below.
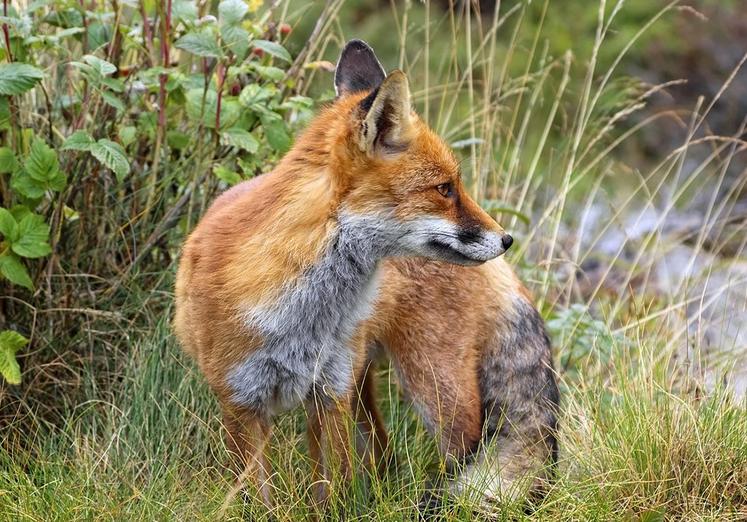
(363, 241)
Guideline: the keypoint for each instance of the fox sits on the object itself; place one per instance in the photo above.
(362, 245)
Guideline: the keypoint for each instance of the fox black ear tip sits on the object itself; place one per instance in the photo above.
(356, 44)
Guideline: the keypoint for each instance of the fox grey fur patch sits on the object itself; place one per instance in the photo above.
(306, 333)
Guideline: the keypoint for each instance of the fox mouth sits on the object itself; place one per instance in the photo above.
(446, 252)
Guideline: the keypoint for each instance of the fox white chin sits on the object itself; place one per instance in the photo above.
(442, 240)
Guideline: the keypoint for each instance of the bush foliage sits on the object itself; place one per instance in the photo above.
(116, 121)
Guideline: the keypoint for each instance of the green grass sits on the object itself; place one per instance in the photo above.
(152, 450)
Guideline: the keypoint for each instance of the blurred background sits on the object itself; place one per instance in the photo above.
(606, 136)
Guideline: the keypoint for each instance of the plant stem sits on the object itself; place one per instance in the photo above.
(162, 99)
(6, 33)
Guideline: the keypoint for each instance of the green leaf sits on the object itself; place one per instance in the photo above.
(113, 156)
(102, 67)
(112, 100)
(227, 175)
(8, 162)
(200, 44)
(17, 78)
(4, 113)
(255, 94)
(8, 225)
(78, 140)
(33, 235)
(14, 271)
(275, 74)
(41, 163)
(236, 39)
(19, 212)
(276, 132)
(27, 186)
(240, 138)
(115, 84)
(231, 12)
(229, 113)
(177, 140)
(10, 343)
(184, 10)
(273, 49)
(127, 135)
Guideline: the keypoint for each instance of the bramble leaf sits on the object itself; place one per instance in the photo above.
(78, 140)
(41, 163)
(273, 49)
(231, 12)
(240, 138)
(112, 155)
(276, 131)
(14, 271)
(202, 44)
(33, 234)
(8, 162)
(8, 225)
(17, 78)
(10, 343)
(227, 175)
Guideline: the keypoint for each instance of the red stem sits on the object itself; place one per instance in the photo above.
(221, 71)
(6, 33)
(166, 26)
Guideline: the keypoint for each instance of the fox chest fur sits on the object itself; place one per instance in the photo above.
(307, 334)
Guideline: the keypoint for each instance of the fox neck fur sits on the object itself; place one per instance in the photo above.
(307, 333)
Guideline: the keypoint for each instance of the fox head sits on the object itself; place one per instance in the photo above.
(394, 165)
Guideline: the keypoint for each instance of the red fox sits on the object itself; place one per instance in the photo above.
(363, 240)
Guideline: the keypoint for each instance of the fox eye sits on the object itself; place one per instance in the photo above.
(445, 189)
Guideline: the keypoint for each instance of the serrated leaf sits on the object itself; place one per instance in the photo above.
(229, 113)
(127, 135)
(241, 139)
(111, 155)
(27, 186)
(33, 234)
(201, 44)
(275, 131)
(4, 113)
(41, 163)
(177, 140)
(10, 343)
(236, 39)
(8, 225)
(14, 271)
(275, 74)
(19, 212)
(78, 140)
(273, 49)
(115, 84)
(255, 94)
(17, 78)
(232, 11)
(102, 67)
(227, 175)
(112, 100)
(184, 10)
(8, 161)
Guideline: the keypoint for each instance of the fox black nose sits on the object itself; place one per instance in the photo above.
(507, 241)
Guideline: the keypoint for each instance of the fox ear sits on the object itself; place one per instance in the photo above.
(358, 69)
(387, 123)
